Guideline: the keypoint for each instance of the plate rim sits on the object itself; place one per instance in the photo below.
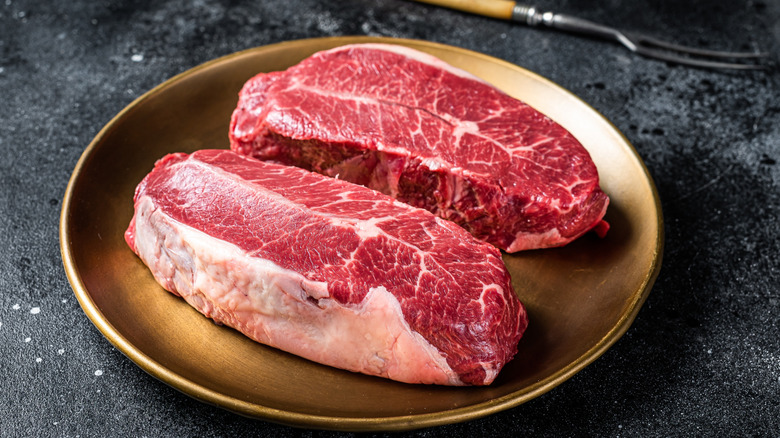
(355, 424)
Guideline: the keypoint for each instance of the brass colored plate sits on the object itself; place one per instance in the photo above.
(580, 298)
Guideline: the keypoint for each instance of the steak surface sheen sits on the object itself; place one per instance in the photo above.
(411, 126)
(325, 269)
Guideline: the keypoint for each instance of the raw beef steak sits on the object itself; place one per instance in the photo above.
(430, 135)
(325, 269)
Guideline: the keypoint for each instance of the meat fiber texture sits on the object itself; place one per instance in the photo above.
(428, 134)
(327, 270)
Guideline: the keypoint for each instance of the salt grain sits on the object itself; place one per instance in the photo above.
(60, 351)
(35, 310)
(137, 57)
(98, 372)
(38, 360)
(26, 339)
(16, 307)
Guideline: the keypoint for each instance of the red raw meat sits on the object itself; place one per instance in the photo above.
(406, 124)
(325, 269)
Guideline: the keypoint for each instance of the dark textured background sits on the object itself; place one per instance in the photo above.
(701, 359)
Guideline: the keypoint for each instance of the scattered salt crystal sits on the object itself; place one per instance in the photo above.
(38, 360)
(98, 372)
(137, 57)
(709, 351)
(64, 301)
(35, 310)
(61, 351)
(26, 339)
(16, 307)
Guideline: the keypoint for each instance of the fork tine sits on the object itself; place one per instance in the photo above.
(644, 39)
(694, 62)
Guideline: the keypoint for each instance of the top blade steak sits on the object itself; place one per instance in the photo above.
(428, 134)
(328, 270)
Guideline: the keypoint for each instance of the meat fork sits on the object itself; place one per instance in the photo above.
(637, 43)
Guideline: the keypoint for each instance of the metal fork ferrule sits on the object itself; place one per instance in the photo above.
(531, 16)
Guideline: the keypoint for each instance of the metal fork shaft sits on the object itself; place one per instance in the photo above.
(643, 45)
(533, 17)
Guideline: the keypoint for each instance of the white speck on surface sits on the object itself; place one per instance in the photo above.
(27, 339)
(137, 57)
(98, 372)
(64, 301)
(60, 351)
(16, 307)
(38, 360)
(709, 351)
(35, 310)
(326, 23)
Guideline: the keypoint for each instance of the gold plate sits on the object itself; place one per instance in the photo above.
(580, 298)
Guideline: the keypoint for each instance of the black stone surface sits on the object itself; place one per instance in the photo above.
(701, 359)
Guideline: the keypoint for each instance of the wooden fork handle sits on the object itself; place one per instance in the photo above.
(501, 9)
